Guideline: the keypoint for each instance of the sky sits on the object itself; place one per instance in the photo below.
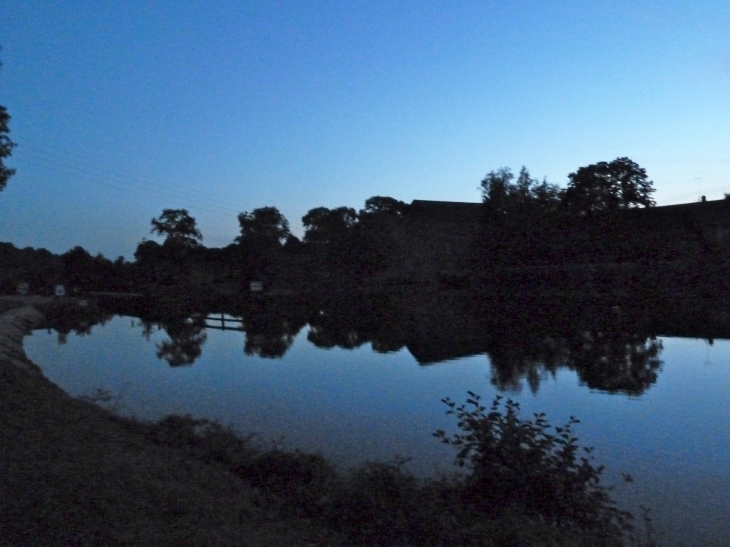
(122, 109)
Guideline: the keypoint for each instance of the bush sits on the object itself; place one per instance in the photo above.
(520, 466)
(384, 504)
(525, 485)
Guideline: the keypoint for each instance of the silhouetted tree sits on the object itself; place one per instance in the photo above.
(6, 146)
(265, 226)
(620, 184)
(323, 225)
(517, 214)
(78, 267)
(372, 239)
(178, 228)
(524, 197)
(379, 206)
(169, 264)
(263, 233)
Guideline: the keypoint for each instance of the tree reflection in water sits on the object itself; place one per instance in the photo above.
(525, 342)
(531, 357)
(70, 318)
(271, 342)
(186, 335)
(625, 363)
(612, 361)
(270, 333)
(350, 324)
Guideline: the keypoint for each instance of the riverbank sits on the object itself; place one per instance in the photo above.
(72, 473)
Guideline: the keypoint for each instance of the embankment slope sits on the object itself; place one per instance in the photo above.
(73, 474)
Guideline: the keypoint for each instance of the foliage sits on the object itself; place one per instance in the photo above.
(518, 215)
(6, 146)
(526, 196)
(323, 225)
(379, 206)
(518, 465)
(383, 504)
(620, 184)
(38, 267)
(178, 228)
(265, 226)
(85, 272)
(355, 245)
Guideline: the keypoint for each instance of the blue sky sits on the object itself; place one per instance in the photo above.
(122, 109)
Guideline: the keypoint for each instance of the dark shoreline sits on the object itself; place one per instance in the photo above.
(75, 474)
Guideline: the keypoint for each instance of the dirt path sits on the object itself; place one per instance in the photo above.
(72, 474)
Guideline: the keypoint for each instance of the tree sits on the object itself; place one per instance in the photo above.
(620, 184)
(379, 205)
(6, 146)
(266, 226)
(325, 225)
(517, 464)
(495, 191)
(517, 215)
(178, 228)
(526, 196)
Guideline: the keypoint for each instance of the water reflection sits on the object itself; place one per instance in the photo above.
(607, 361)
(611, 348)
(270, 338)
(617, 362)
(351, 323)
(270, 329)
(337, 402)
(77, 319)
(186, 338)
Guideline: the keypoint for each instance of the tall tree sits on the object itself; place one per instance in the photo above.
(525, 196)
(6, 146)
(379, 205)
(323, 225)
(620, 184)
(178, 228)
(518, 211)
(264, 226)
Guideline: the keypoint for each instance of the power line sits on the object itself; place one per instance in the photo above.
(78, 175)
(128, 175)
(85, 169)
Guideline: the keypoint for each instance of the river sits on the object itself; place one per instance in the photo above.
(661, 414)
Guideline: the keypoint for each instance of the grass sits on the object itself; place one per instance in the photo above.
(73, 473)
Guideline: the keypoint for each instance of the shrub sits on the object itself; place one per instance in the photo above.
(519, 465)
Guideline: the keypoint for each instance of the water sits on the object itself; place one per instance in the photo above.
(671, 433)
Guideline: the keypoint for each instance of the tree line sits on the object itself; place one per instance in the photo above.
(342, 240)
(528, 221)
(600, 187)
(354, 244)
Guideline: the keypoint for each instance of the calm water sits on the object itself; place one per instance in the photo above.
(672, 433)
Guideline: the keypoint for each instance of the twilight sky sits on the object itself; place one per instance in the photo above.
(123, 108)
